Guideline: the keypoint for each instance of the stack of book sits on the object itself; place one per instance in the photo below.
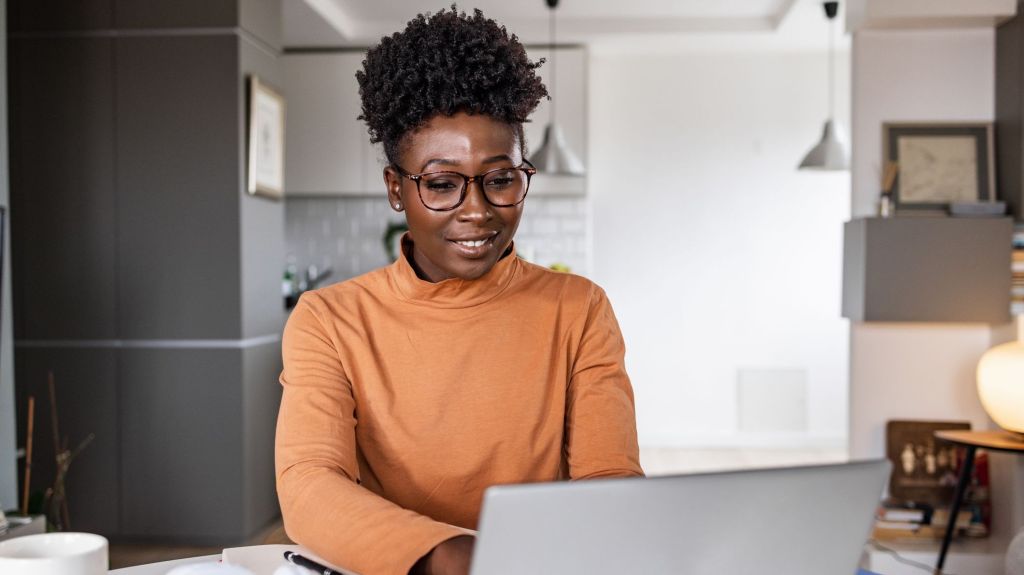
(1017, 290)
(919, 523)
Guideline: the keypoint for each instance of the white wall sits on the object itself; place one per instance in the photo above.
(921, 371)
(716, 252)
(919, 75)
(915, 76)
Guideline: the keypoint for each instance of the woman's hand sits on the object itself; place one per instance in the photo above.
(450, 557)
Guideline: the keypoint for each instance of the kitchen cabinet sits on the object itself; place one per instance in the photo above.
(328, 151)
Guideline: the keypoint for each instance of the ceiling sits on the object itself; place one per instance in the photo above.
(663, 23)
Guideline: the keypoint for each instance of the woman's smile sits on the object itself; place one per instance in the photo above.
(474, 245)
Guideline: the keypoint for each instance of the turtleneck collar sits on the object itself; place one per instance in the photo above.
(453, 292)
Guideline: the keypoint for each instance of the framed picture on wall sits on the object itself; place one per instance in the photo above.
(940, 164)
(265, 140)
(924, 469)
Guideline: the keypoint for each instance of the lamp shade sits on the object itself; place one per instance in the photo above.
(554, 156)
(1001, 385)
(829, 153)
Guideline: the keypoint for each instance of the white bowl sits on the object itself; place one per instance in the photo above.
(54, 554)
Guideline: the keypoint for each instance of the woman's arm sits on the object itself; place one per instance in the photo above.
(323, 506)
(600, 421)
(452, 557)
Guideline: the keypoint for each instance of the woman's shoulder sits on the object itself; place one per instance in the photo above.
(357, 291)
(559, 284)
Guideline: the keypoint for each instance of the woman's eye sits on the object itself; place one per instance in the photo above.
(440, 186)
(499, 182)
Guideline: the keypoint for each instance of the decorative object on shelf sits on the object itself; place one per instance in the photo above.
(554, 155)
(888, 179)
(393, 239)
(1017, 272)
(1001, 383)
(265, 140)
(940, 164)
(56, 500)
(923, 468)
(830, 152)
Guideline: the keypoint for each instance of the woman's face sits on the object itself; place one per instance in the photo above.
(471, 145)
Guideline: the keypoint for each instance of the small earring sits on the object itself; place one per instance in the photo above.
(398, 206)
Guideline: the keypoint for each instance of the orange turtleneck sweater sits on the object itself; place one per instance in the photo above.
(404, 400)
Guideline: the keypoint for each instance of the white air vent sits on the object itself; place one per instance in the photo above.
(772, 400)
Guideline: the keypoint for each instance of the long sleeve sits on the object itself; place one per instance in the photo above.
(600, 422)
(323, 505)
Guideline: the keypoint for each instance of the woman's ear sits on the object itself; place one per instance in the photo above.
(393, 182)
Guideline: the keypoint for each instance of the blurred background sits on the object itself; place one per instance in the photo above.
(142, 274)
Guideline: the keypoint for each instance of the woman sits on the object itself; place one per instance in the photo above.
(411, 389)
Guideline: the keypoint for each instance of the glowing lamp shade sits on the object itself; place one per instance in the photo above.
(1001, 385)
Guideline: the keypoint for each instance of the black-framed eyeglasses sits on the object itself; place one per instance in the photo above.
(445, 191)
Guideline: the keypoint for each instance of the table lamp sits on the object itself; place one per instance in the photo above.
(1001, 383)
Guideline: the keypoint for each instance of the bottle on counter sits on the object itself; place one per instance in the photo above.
(289, 284)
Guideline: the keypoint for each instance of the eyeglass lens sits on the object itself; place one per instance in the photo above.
(443, 190)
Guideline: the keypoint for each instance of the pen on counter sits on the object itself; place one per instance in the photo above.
(293, 557)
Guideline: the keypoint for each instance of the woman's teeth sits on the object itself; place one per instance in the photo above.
(472, 244)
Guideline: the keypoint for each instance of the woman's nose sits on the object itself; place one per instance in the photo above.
(475, 206)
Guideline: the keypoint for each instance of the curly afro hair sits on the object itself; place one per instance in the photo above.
(446, 63)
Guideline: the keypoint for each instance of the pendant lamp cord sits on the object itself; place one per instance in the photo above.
(831, 69)
(554, 60)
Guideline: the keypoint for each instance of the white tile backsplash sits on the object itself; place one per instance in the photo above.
(346, 233)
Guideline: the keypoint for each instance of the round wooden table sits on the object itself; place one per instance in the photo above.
(971, 440)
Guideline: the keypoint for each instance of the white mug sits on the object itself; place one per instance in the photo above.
(54, 554)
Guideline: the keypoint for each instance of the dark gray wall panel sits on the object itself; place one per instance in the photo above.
(262, 220)
(87, 402)
(8, 422)
(176, 13)
(1010, 115)
(261, 399)
(54, 15)
(181, 444)
(62, 187)
(178, 182)
(262, 18)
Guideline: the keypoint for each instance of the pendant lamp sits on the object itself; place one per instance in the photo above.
(554, 156)
(829, 153)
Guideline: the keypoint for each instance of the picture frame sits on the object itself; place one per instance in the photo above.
(265, 135)
(924, 468)
(940, 163)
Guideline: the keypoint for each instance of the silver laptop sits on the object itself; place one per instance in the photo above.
(793, 521)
